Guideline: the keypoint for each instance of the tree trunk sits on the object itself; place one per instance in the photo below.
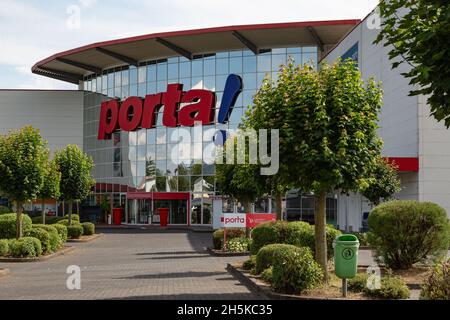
(70, 212)
(19, 210)
(279, 204)
(43, 211)
(64, 207)
(248, 209)
(78, 207)
(320, 232)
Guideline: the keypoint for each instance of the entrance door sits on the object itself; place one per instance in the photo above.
(177, 210)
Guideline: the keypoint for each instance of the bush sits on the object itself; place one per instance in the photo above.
(55, 240)
(75, 217)
(437, 286)
(294, 270)
(238, 245)
(4, 210)
(403, 233)
(358, 283)
(8, 225)
(43, 236)
(48, 220)
(362, 238)
(392, 287)
(300, 234)
(88, 228)
(26, 247)
(266, 256)
(250, 263)
(62, 231)
(231, 234)
(75, 231)
(267, 275)
(4, 247)
(264, 234)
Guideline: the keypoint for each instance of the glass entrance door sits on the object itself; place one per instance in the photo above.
(177, 210)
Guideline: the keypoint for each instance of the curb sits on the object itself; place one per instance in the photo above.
(265, 290)
(4, 272)
(220, 253)
(91, 238)
(61, 252)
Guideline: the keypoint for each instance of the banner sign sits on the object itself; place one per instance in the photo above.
(254, 219)
(235, 220)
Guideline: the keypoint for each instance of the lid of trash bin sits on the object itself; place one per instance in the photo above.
(347, 239)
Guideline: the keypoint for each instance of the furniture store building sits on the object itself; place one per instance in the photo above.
(137, 96)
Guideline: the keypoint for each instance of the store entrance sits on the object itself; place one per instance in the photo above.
(143, 208)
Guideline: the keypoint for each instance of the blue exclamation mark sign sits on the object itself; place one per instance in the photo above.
(233, 87)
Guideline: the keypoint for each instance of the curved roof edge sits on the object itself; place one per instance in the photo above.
(246, 35)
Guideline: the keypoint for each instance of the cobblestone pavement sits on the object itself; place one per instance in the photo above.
(130, 264)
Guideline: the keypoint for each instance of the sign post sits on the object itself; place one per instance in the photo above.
(232, 220)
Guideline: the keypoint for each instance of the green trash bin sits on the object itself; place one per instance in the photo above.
(346, 256)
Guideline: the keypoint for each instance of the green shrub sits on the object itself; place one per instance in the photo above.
(264, 234)
(266, 256)
(403, 233)
(4, 210)
(358, 283)
(294, 270)
(55, 240)
(392, 287)
(75, 231)
(238, 245)
(437, 286)
(4, 247)
(75, 217)
(88, 228)
(300, 234)
(250, 263)
(267, 275)
(231, 234)
(8, 225)
(25, 247)
(43, 236)
(362, 238)
(62, 231)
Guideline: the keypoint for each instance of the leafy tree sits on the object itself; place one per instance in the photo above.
(23, 156)
(383, 182)
(50, 186)
(420, 37)
(76, 180)
(242, 182)
(327, 122)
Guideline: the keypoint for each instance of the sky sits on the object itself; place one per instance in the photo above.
(31, 30)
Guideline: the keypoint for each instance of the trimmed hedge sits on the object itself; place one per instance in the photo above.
(231, 234)
(294, 270)
(48, 220)
(4, 210)
(266, 256)
(88, 228)
(267, 275)
(250, 263)
(75, 217)
(437, 286)
(300, 234)
(55, 240)
(8, 225)
(4, 247)
(403, 233)
(74, 231)
(26, 247)
(62, 231)
(43, 236)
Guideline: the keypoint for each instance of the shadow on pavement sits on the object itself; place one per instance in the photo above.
(174, 275)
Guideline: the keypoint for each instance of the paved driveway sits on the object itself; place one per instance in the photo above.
(136, 264)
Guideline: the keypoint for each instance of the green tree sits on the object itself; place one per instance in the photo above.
(23, 156)
(383, 182)
(50, 186)
(327, 122)
(420, 37)
(76, 180)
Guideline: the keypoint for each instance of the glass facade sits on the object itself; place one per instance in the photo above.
(153, 160)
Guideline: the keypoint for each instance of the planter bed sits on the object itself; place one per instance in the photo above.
(255, 283)
(221, 253)
(86, 238)
(60, 252)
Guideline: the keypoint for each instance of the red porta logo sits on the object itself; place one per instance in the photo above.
(135, 113)
(233, 220)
